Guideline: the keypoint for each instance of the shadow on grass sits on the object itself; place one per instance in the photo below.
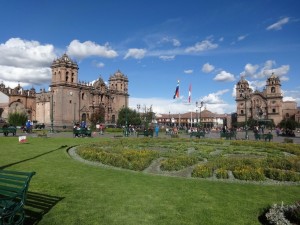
(37, 205)
(37, 156)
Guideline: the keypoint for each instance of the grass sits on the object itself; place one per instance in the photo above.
(71, 192)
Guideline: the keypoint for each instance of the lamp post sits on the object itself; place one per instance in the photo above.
(138, 106)
(191, 118)
(245, 97)
(199, 106)
(169, 119)
(51, 131)
(126, 123)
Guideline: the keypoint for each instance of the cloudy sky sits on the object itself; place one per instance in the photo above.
(206, 44)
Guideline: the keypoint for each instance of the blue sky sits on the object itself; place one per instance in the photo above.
(208, 44)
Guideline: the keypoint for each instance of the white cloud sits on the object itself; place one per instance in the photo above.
(27, 76)
(164, 106)
(22, 53)
(278, 25)
(266, 70)
(285, 99)
(233, 94)
(176, 42)
(98, 64)
(201, 46)
(167, 57)
(207, 68)
(291, 95)
(135, 53)
(188, 71)
(214, 98)
(257, 84)
(242, 37)
(25, 62)
(88, 48)
(224, 76)
(250, 70)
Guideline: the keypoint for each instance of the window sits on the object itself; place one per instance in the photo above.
(242, 111)
(273, 89)
(273, 110)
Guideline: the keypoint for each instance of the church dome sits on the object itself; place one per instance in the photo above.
(242, 81)
(2, 85)
(273, 78)
(99, 83)
(64, 60)
(118, 76)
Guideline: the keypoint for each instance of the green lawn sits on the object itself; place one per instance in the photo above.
(66, 191)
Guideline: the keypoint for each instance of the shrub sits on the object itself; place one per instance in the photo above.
(17, 119)
(221, 173)
(177, 163)
(283, 215)
(248, 173)
(282, 175)
(128, 159)
(203, 171)
(278, 163)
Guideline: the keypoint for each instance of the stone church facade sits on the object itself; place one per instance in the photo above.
(68, 101)
(265, 105)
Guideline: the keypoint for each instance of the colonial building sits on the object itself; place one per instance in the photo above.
(265, 105)
(205, 119)
(68, 101)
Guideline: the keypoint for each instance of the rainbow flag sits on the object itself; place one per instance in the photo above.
(176, 95)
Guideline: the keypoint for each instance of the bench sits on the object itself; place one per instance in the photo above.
(228, 135)
(7, 130)
(82, 133)
(13, 192)
(145, 133)
(268, 137)
(197, 134)
(257, 136)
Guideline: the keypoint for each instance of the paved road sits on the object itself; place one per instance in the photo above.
(240, 135)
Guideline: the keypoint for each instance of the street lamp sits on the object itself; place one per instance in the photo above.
(245, 97)
(126, 123)
(52, 112)
(199, 106)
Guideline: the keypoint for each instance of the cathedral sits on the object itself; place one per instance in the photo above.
(265, 105)
(67, 101)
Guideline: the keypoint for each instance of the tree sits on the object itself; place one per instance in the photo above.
(17, 119)
(288, 124)
(133, 118)
(98, 116)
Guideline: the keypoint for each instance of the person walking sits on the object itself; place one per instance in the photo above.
(156, 130)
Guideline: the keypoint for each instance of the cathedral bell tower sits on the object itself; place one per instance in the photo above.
(274, 98)
(65, 93)
(243, 94)
(118, 86)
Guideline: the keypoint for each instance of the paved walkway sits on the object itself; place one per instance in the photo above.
(240, 136)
